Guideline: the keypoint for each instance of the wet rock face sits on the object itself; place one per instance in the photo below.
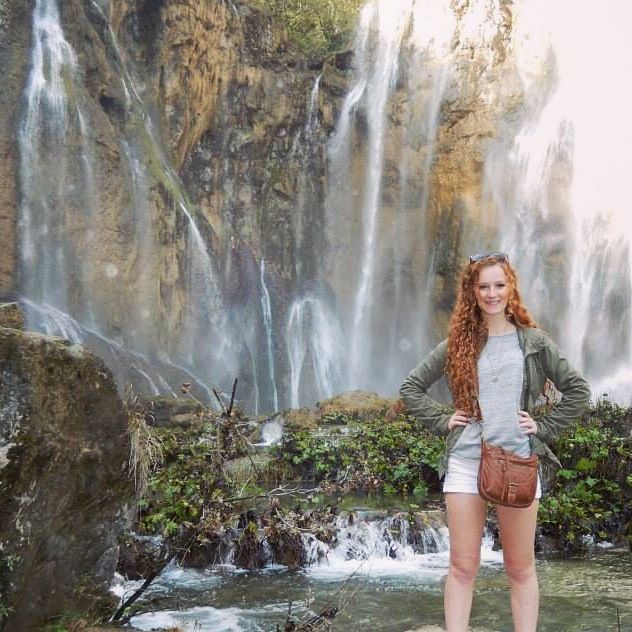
(63, 478)
(15, 34)
(11, 316)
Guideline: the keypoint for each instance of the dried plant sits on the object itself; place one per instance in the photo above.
(145, 445)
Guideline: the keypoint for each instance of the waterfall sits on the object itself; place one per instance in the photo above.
(50, 121)
(313, 346)
(386, 538)
(367, 543)
(266, 308)
(312, 119)
(558, 182)
(309, 213)
(546, 194)
(386, 304)
(597, 324)
(71, 258)
(379, 78)
(382, 217)
(203, 319)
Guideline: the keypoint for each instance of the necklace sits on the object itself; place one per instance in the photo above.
(500, 350)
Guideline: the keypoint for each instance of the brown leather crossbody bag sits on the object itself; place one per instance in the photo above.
(505, 478)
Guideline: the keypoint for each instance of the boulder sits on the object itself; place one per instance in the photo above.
(64, 480)
(170, 412)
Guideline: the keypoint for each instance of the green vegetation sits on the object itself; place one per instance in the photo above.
(395, 456)
(591, 497)
(7, 564)
(186, 478)
(189, 491)
(316, 26)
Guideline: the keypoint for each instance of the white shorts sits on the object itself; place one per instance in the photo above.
(461, 476)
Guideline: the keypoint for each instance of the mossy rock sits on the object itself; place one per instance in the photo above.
(357, 404)
(11, 316)
(64, 482)
(300, 419)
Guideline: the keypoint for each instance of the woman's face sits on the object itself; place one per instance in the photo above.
(491, 290)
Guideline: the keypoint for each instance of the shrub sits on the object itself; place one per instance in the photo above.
(393, 455)
(590, 499)
(316, 26)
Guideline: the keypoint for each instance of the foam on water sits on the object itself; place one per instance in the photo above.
(202, 619)
(370, 549)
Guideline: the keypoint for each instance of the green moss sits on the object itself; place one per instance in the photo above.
(316, 26)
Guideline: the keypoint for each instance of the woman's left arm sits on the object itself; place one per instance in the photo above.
(573, 387)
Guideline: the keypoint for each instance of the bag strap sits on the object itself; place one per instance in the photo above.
(480, 423)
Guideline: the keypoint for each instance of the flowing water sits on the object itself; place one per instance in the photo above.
(382, 583)
(64, 275)
(266, 308)
(379, 236)
(313, 342)
(548, 195)
(564, 210)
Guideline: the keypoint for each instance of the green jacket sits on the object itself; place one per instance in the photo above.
(542, 360)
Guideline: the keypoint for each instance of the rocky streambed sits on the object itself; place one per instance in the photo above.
(380, 558)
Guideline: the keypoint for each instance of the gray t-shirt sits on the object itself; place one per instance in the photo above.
(500, 375)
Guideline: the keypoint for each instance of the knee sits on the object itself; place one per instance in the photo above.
(464, 567)
(520, 571)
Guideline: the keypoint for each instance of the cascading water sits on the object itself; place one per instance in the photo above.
(266, 308)
(376, 540)
(538, 188)
(597, 325)
(307, 213)
(380, 190)
(71, 257)
(203, 320)
(313, 347)
(50, 121)
(368, 549)
(369, 271)
(558, 180)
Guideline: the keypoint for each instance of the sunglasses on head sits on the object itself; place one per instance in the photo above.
(501, 256)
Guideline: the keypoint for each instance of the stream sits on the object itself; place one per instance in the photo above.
(383, 584)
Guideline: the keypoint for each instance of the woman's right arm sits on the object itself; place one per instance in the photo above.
(434, 416)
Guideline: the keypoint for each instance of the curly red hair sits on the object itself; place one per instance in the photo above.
(468, 332)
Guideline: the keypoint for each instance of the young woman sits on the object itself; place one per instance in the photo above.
(496, 361)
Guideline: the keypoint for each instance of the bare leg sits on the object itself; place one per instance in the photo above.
(466, 519)
(517, 533)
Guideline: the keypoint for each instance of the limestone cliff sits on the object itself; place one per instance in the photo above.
(180, 149)
(230, 207)
(15, 17)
